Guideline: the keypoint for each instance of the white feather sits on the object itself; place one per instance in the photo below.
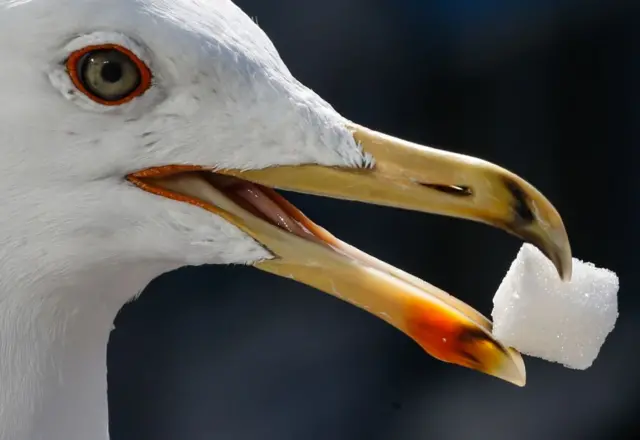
(76, 240)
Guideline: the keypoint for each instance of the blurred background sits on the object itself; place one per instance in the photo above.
(547, 89)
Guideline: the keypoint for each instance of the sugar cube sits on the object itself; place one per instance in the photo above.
(537, 313)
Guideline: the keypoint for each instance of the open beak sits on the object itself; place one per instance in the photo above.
(404, 175)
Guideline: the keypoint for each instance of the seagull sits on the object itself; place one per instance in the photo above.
(140, 136)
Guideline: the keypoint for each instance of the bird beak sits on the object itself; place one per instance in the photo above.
(404, 175)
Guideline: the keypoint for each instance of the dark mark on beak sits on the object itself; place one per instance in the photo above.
(523, 219)
(470, 335)
(523, 214)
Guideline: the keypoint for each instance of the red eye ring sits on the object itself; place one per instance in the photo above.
(72, 66)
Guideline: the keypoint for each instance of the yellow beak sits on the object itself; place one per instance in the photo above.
(409, 176)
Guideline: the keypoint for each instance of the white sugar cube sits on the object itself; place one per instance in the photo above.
(537, 313)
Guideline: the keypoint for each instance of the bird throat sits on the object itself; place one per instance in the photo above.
(53, 345)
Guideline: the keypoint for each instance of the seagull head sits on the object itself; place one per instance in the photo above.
(158, 130)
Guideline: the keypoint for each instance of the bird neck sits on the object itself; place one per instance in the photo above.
(53, 353)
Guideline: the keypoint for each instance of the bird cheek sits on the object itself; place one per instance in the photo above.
(185, 103)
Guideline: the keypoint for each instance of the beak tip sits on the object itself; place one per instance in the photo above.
(562, 261)
(568, 265)
(565, 272)
(513, 369)
(561, 257)
(521, 378)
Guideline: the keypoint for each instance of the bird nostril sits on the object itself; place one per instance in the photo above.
(454, 190)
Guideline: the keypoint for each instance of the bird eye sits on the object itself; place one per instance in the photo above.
(108, 74)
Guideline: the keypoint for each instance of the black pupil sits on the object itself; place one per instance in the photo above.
(111, 71)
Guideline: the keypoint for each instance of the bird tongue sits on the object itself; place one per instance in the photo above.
(260, 201)
(195, 186)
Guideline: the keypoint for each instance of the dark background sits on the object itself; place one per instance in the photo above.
(548, 89)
